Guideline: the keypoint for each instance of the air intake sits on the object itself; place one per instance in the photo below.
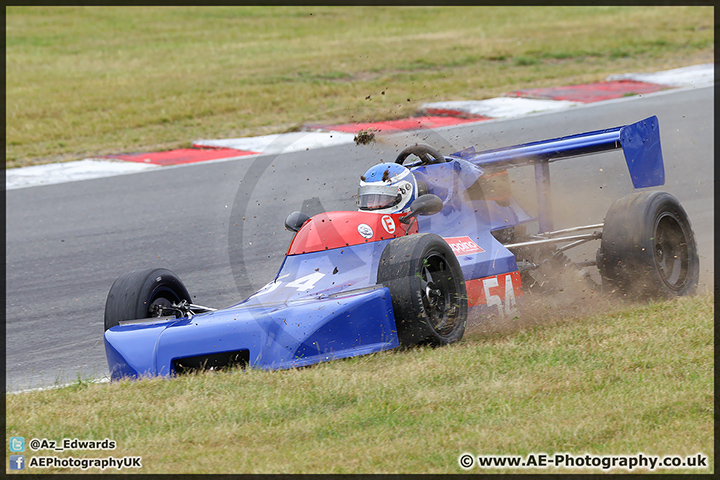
(215, 361)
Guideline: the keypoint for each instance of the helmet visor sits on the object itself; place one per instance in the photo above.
(376, 197)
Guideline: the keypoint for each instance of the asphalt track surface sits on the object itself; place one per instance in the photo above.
(219, 225)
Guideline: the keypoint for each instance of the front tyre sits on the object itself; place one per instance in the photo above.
(427, 289)
(136, 294)
(648, 249)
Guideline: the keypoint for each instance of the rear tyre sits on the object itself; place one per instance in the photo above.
(134, 294)
(427, 289)
(648, 249)
(426, 154)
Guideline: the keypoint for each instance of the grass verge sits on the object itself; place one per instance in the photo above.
(87, 81)
(634, 379)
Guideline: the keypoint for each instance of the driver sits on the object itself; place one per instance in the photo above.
(387, 188)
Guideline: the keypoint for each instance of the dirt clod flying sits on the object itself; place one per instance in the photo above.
(364, 137)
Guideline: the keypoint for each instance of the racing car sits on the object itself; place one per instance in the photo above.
(434, 238)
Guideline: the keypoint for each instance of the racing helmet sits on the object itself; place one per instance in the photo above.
(386, 188)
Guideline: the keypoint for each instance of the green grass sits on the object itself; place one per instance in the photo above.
(634, 379)
(84, 81)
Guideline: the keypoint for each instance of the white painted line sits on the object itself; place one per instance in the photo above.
(694, 76)
(282, 143)
(55, 387)
(69, 172)
(501, 107)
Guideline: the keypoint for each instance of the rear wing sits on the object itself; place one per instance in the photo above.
(639, 141)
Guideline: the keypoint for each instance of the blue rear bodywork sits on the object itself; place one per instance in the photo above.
(326, 305)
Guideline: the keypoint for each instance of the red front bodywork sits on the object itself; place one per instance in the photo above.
(330, 230)
(342, 229)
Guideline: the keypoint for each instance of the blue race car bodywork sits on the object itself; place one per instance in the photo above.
(326, 302)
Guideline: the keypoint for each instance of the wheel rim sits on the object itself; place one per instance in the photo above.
(671, 251)
(162, 298)
(439, 294)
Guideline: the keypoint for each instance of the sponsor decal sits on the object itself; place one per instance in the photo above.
(365, 231)
(388, 224)
(463, 246)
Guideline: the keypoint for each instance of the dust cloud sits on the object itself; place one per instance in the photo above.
(569, 298)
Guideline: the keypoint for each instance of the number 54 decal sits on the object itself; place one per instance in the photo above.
(497, 291)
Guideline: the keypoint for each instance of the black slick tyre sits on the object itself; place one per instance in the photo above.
(425, 153)
(648, 248)
(427, 289)
(134, 293)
